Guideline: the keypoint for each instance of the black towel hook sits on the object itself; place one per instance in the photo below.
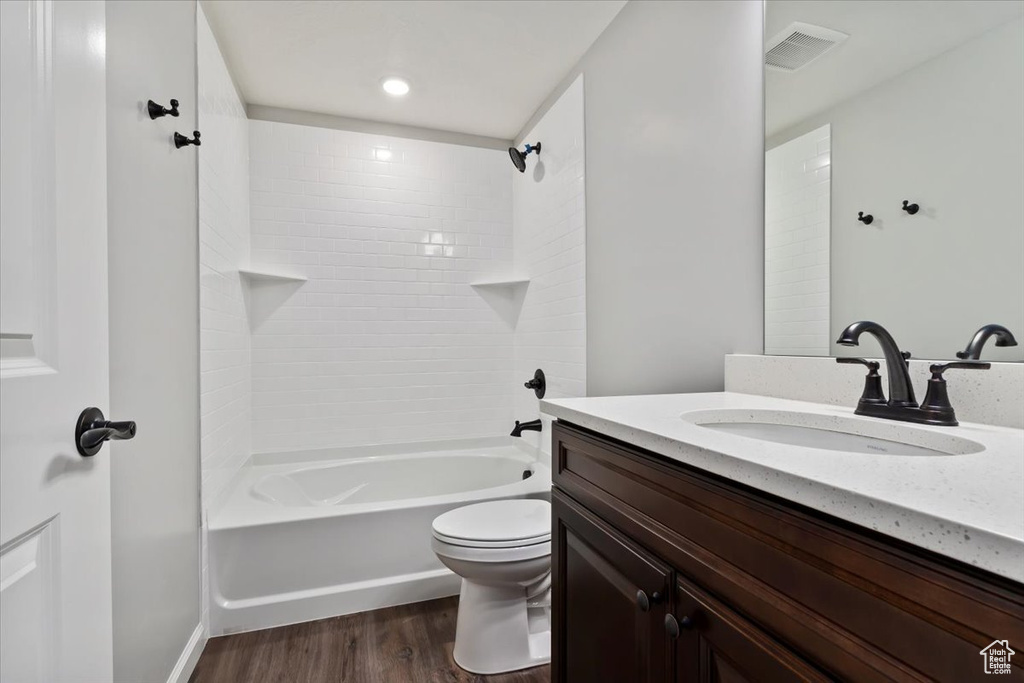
(181, 141)
(910, 208)
(157, 111)
(866, 219)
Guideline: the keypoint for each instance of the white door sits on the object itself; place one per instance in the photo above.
(55, 607)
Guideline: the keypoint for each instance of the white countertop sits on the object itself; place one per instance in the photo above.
(968, 507)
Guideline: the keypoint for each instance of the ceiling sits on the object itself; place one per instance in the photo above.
(886, 39)
(480, 67)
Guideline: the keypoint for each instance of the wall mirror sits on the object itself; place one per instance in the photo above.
(894, 174)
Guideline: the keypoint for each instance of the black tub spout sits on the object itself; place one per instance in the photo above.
(531, 426)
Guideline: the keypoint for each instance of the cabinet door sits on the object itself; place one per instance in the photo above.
(610, 602)
(714, 644)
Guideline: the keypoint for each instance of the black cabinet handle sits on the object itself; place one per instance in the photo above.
(93, 429)
(673, 627)
(642, 602)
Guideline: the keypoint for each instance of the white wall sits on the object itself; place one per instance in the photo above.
(549, 237)
(796, 249)
(225, 382)
(154, 338)
(675, 237)
(946, 135)
(386, 342)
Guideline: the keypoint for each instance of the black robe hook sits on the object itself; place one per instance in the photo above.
(156, 111)
(181, 141)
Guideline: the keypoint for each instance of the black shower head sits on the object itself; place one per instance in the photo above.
(519, 158)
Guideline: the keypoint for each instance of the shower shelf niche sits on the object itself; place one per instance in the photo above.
(264, 291)
(267, 276)
(511, 282)
(504, 295)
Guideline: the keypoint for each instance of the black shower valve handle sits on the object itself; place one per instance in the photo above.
(538, 383)
(910, 208)
(865, 218)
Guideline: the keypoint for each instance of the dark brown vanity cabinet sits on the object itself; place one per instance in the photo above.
(713, 643)
(664, 573)
(614, 597)
(621, 620)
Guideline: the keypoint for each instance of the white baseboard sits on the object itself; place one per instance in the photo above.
(189, 656)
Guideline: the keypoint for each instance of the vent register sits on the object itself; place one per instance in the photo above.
(799, 45)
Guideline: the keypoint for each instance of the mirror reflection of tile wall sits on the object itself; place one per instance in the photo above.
(796, 245)
(923, 101)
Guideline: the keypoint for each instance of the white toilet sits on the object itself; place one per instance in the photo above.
(502, 551)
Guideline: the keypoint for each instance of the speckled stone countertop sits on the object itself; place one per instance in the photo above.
(968, 507)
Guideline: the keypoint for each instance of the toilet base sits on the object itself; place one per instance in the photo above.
(498, 632)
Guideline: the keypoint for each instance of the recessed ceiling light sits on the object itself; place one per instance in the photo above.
(395, 86)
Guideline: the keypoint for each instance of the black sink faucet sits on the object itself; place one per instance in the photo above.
(1003, 338)
(901, 389)
(531, 426)
(936, 408)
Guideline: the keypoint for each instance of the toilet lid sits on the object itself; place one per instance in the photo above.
(496, 523)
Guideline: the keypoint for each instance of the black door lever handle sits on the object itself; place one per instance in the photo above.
(93, 429)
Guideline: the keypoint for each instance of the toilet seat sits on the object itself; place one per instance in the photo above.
(495, 531)
(476, 543)
(496, 524)
(487, 555)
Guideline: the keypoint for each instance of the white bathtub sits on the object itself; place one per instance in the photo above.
(303, 536)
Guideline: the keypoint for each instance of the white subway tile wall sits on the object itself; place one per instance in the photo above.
(225, 387)
(386, 342)
(550, 240)
(797, 241)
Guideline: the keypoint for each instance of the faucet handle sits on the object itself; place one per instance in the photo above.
(936, 403)
(871, 365)
(873, 393)
(938, 368)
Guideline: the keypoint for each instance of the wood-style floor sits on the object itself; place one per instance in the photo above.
(409, 643)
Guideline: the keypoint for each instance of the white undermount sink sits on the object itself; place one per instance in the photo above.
(834, 432)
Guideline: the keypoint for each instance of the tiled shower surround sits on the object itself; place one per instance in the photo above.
(550, 240)
(386, 342)
(224, 382)
(223, 246)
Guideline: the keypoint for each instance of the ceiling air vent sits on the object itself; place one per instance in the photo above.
(799, 45)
